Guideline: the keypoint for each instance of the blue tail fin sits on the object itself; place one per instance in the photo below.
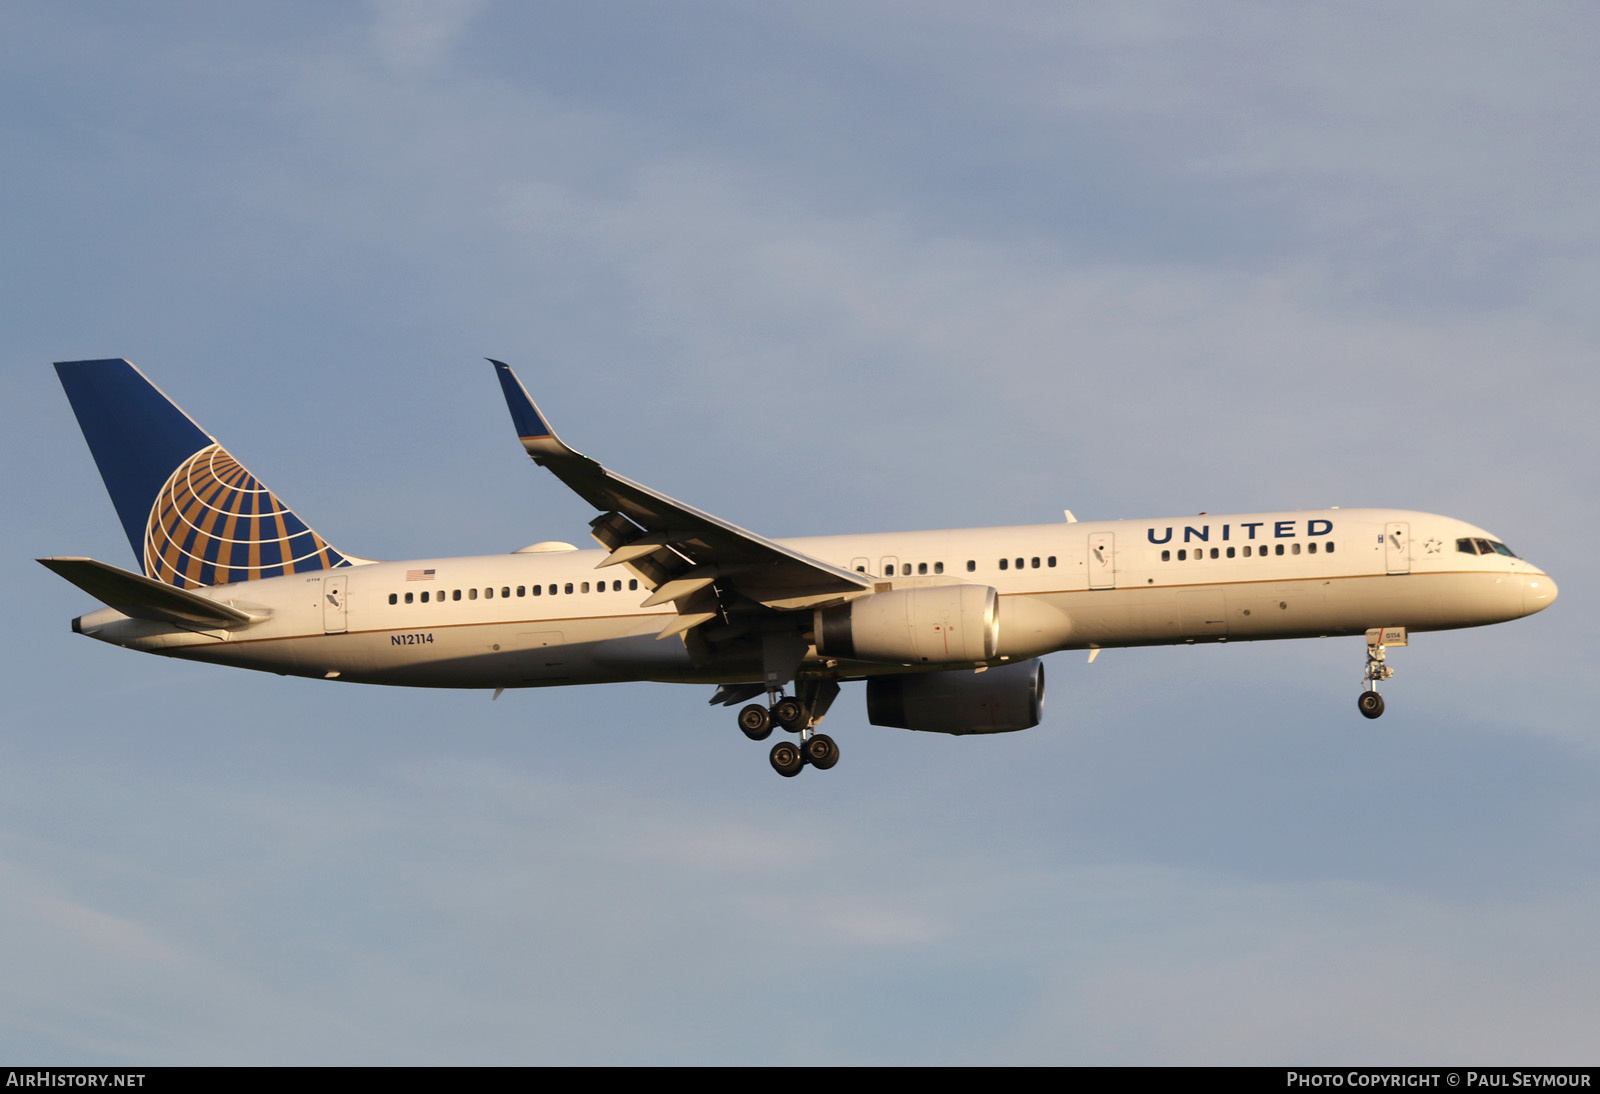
(193, 514)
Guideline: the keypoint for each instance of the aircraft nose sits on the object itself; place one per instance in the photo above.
(1538, 593)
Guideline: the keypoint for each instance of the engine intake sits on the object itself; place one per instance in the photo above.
(946, 624)
(958, 701)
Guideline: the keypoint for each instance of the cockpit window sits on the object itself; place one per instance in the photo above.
(1485, 547)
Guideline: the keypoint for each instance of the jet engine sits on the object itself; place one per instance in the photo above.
(943, 625)
(960, 701)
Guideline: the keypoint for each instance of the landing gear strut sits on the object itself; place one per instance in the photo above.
(797, 714)
(1378, 640)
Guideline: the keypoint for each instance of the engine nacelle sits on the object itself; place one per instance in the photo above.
(960, 701)
(944, 624)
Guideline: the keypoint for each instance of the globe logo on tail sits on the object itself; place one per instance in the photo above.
(214, 523)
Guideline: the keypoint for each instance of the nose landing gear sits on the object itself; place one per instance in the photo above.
(1378, 640)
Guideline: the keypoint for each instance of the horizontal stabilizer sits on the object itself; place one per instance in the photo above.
(145, 598)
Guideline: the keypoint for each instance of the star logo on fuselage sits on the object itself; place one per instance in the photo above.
(1433, 546)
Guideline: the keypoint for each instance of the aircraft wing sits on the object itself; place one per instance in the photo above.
(704, 565)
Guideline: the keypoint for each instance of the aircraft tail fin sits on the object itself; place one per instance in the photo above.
(192, 513)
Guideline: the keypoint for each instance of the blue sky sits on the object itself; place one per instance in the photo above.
(815, 268)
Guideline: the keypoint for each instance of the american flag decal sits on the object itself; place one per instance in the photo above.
(419, 575)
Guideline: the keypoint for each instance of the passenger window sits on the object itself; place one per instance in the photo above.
(455, 594)
(538, 590)
(1328, 547)
(861, 569)
(522, 590)
(394, 598)
(599, 586)
(1278, 549)
(472, 594)
(972, 565)
(505, 590)
(938, 567)
(1311, 548)
(568, 589)
(585, 586)
(1051, 561)
(424, 597)
(1166, 556)
(889, 570)
(1002, 564)
(616, 586)
(488, 594)
(922, 567)
(1183, 553)
(1230, 552)
(408, 598)
(1215, 553)
(633, 583)
(1019, 564)
(1294, 548)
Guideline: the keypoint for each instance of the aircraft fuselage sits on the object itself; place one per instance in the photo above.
(552, 617)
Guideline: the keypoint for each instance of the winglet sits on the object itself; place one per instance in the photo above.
(532, 430)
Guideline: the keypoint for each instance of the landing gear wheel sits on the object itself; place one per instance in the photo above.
(1371, 704)
(790, 714)
(821, 752)
(755, 722)
(787, 759)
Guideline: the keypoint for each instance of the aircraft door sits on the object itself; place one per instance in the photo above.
(1102, 561)
(1397, 547)
(335, 606)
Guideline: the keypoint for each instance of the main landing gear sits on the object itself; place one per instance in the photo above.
(1378, 640)
(796, 715)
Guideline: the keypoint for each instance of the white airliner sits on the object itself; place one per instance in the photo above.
(946, 627)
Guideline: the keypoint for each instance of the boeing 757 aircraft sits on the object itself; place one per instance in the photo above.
(946, 627)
